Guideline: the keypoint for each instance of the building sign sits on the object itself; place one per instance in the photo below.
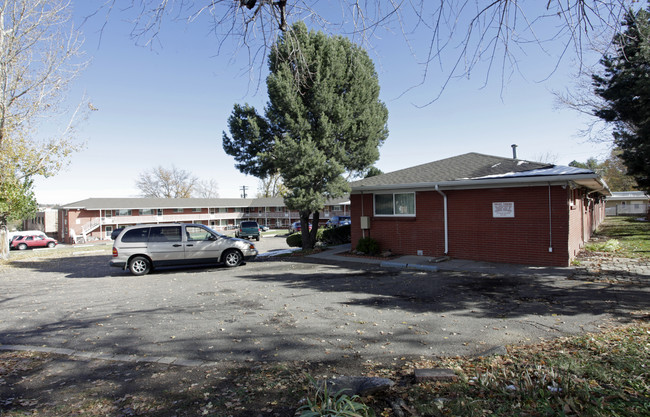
(500, 210)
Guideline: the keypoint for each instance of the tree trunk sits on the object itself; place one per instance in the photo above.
(304, 230)
(308, 236)
(4, 242)
(314, 230)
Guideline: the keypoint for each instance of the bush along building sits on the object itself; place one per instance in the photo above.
(96, 218)
(481, 207)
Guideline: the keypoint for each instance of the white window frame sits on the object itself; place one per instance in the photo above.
(394, 208)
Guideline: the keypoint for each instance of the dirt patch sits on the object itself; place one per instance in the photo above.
(55, 385)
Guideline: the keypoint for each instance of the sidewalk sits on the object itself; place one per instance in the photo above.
(426, 263)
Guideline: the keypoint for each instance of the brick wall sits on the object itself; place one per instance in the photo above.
(532, 236)
(473, 231)
(403, 235)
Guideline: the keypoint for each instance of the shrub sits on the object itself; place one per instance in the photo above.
(337, 235)
(294, 240)
(369, 246)
(611, 245)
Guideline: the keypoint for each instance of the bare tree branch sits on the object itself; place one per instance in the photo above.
(162, 182)
(464, 36)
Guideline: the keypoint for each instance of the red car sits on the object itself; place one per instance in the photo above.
(24, 242)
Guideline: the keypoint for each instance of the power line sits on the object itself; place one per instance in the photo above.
(243, 189)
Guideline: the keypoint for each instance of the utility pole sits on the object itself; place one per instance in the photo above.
(243, 191)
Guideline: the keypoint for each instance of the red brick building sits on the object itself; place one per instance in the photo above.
(96, 218)
(481, 207)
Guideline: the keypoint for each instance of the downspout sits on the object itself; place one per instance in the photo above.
(363, 231)
(550, 221)
(444, 196)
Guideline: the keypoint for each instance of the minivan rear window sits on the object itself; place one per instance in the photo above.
(136, 235)
(249, 224)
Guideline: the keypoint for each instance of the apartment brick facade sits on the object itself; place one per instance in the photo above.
(96, 218)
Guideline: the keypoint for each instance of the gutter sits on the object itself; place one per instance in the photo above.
(444, 196)
(486, 183)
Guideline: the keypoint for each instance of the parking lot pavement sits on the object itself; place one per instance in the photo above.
(294, 310)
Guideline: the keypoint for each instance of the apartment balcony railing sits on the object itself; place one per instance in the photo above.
(268, 218)
(194, 217)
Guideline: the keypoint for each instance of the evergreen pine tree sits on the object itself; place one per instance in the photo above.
(323, 119)
(625, 87)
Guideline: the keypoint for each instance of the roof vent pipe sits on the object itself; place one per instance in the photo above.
(514, 151)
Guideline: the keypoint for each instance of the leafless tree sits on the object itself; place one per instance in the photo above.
(206, 189)
(162, 182)
(580, 97)
(40, 54)
(461, 34)
(271, 186)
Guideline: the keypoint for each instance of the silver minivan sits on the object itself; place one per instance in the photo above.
(144, 247)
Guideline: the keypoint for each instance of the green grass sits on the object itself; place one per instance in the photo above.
(632, 235)
(593, 375)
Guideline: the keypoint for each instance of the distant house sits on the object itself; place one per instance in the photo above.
(96, 218)
(481, 207)
(45, 220)
(627, 203)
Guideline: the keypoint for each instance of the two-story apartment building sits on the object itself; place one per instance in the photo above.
(96, 218)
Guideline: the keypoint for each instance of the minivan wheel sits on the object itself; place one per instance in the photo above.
(232, 258)
(139, 265)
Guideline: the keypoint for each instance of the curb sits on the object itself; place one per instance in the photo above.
(83, 355)
(389, 264)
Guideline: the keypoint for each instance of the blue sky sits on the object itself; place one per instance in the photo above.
(169, 105)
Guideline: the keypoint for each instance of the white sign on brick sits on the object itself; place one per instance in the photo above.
(503, 209)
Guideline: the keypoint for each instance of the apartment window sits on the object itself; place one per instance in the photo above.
(123, 212)
(146, 212)
(178, 210)
(336, 208)
(196, 210)
(395, 204)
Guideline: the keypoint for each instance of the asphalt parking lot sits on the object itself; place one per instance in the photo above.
(292, 309)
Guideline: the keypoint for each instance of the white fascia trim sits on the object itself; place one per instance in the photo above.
(485, 183)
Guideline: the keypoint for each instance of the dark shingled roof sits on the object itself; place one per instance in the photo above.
(461, 167)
